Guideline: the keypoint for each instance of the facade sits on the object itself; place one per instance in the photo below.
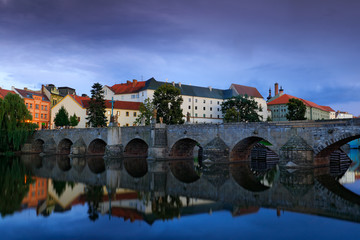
(125, 112)
(52, 93)
(37, 192)
(203, 104)
(279, 109)
(343, 115)
(38, 105)
(253, 93)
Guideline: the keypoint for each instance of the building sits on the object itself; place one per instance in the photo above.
(279, 109)
(4, 92)
(125, 112)
(203, 104)
(331, 111)
(38, 105)
(52, 93)
(37, 192)
(254, 93)
(342, 115)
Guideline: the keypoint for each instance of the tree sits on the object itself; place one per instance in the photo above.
(146, 111)
(15, 122)
(296, 110)
(239, 109)
(167, 101)
(74, 120)
(62, 118)
(96, 109)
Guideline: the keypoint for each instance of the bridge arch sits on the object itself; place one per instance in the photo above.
(96, 147)
(184, 171)
(136, 167)
(63, 163)
(243, 175)
(136, 147)
(186, 148)
(64, 146)
(96, 164)
(242, 150)
(38, 146)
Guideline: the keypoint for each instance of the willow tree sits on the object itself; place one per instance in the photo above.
(15, 125)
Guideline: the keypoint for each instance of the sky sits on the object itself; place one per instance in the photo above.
(310, 47)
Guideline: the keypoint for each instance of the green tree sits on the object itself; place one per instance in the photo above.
(96, 109)
(240, 108)
(15, 123)
(74, 120)
(146, 111)
(167, 101)
(94, 196)
(296, 110)
(62, 118)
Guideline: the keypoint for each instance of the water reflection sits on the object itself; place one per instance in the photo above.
(135, 189)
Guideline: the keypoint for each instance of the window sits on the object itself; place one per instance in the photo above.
(133, 96)
(45, 108)
(210, 115)
(211, 109)
(204, 101)
(36, 106)
(189, 99)
(30, 105)
(195, 100)
(127, 114)
(195, 114)
(45, 116)
(36, 115)
(42, 115)
(218, 116)
(127, 124)
(195, 107)
(142, 94)
(204, 108)
(27, 105)
(218, 109)
(218, 103)
(210, 101)
(204, 115)
(189, 107)
(134, 114)
(42, 107)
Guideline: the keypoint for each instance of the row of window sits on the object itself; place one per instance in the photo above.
(204, 101)
(204, 108)
(204, 115)
(30, 106)
(127, 114)
(43, 116)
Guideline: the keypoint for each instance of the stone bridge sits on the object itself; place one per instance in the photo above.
(295, 144)
(310, 191)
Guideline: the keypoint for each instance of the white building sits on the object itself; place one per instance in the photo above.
(125, 112)
(202, 103)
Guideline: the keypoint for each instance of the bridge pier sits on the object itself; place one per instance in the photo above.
(158, 142)
(114, 147)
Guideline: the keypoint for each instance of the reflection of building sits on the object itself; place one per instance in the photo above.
(37, 192)
(38, 105)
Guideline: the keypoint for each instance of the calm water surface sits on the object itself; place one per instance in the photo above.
(88, 198)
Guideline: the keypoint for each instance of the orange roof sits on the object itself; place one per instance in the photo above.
(329, 109)
(129, 87)
(4, 92)
(245, 90)
(284, 99)
(79, 99)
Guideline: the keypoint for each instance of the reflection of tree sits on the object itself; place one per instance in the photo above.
(60, 186)
(166, 207)
(13, 186)
(94, 195)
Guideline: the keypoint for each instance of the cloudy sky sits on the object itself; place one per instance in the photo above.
(310, 47)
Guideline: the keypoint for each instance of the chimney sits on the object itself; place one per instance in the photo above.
(128, 82)
(134, 82)
(25, 88)
(276, 89)
(281, 91)
(269, 97)
(210, 88)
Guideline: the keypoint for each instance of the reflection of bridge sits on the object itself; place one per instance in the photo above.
(310, 192)
(306, 143)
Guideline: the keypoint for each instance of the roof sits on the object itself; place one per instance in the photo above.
(189, 90)
(80, 99)
(4, 92)
(129, 87)
(329, 109)
(245, 90)
(284, 99)
(29, 94)
(117, 104)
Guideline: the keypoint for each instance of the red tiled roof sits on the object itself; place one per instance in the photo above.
(329, 109)
(117, 104)
(80, 99)
(4, 92)
(250, 91)
(24, 93)
(284, 99)
(126, 213)
(129, 87)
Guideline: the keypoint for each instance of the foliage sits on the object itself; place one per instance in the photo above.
(62, 118)
(96, 109)
(239, 109)
(146, 112)
(296, 110)
(94, 195)
(167, 101)
(15, 125)
(166, 207)
(13, 187)
(74, 120)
